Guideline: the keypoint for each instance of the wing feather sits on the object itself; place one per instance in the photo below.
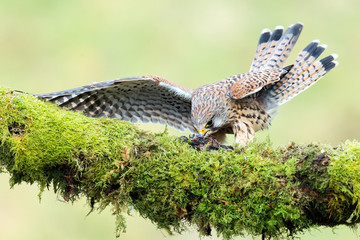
(137, 99)
(246, 84)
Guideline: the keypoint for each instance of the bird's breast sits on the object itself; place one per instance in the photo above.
(250, 113)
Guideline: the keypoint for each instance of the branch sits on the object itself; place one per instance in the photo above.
(259, 190)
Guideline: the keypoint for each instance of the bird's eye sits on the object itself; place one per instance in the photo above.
(209, 123)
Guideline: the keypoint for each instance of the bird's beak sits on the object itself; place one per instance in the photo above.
(202, 131)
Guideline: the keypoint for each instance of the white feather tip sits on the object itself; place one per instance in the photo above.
(334, 55)
(265, 30)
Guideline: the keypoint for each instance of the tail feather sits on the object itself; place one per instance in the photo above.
(303, 61)
(284, 47)
(274, 48)
(305, 72)
(267, 42)
(310, 77)
(270, 45)
(305, 77)
(318, 71)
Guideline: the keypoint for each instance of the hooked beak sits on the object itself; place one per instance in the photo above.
(203, 131)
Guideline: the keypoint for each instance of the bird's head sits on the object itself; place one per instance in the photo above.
(208, 114)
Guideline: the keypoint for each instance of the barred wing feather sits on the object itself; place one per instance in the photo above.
(137, 99)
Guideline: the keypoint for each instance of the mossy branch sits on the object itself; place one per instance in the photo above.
(258, 190)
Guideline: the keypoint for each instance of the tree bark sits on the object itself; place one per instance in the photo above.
(260, 190)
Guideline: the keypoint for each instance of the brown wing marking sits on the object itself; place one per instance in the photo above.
(250, 83)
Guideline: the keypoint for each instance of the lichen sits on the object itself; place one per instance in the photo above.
(258, 190)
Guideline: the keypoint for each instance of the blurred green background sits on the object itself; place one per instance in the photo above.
(48, 45)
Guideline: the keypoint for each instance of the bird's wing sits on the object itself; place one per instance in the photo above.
(145, 99)
(243, 85)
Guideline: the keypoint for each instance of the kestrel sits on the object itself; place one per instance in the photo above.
(240, 105)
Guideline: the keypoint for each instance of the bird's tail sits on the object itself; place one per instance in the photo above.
(305, 72)
(274, 48)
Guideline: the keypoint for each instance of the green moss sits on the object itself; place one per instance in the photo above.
(345, 182)
(260, 190)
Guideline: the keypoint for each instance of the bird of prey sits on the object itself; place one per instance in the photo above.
(239, 105)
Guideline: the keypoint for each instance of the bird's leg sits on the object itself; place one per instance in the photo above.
(244, 132)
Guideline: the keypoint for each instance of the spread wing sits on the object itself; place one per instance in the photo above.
(145, 99)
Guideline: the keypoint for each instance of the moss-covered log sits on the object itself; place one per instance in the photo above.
(275, 192)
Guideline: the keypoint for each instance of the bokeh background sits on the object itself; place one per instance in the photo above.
(48, 45)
